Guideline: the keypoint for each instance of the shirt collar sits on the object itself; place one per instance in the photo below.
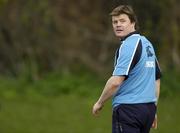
(134, 32)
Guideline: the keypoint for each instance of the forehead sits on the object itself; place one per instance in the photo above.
(121, 16)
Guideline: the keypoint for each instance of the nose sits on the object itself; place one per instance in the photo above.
(118, 24)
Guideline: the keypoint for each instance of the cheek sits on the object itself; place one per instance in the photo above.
(114, 27)
(131, 25)
(128, 26)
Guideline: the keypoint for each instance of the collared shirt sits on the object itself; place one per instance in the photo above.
(136, 60)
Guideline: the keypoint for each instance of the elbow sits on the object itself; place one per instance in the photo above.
(115, 82)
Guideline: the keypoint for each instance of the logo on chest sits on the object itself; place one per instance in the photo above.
(149, 64)
(149, 52)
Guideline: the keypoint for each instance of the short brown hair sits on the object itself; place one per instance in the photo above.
(128, 10)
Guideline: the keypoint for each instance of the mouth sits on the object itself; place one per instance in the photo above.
(119, 30)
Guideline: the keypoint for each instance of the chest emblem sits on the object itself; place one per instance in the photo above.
(148, 51)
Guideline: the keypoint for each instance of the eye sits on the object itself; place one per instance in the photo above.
(122, 20)
(115, 22)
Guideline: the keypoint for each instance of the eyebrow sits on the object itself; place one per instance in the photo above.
(118, 19)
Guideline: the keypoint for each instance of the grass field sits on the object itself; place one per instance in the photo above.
(71, 113)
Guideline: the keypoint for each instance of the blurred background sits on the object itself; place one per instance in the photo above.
(56, 55)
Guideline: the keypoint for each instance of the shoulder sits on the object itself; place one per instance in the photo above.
(132, 41)
(133, 37)
(146, 42)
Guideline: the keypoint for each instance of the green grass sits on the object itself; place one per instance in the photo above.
(63, 114)
(72, 114)
(62, 104)
(168, 115)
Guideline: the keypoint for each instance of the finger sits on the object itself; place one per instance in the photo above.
(154, 125)
(95, 113)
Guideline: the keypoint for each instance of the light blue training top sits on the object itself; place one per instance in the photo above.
(137, 62)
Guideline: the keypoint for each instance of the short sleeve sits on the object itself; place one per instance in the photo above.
(158, 70)
(125, 59)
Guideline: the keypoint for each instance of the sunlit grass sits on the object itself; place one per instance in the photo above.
(63, 103)
(64, 114)
(72, 114)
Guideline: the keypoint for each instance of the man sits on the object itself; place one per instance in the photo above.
(135, 82)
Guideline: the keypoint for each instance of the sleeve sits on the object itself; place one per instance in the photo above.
(158, 70)
(126, 58)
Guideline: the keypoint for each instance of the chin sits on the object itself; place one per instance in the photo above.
(119, 36)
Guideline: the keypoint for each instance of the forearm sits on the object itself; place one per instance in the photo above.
(107, 93)
(158, 88)
(154, 125)
(110, 89)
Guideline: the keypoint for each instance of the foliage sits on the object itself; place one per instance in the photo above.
(49, 35)
(51, 85)
(63, 83)
(170, 83)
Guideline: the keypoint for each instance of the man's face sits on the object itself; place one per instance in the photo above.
(122, 25)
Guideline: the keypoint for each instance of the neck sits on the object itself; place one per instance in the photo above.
(130, 33)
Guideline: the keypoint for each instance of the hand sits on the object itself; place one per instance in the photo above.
(154, 125)
(96, 108)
